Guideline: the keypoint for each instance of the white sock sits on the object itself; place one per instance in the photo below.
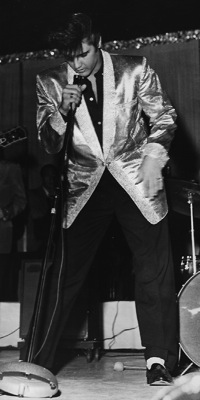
(155, 360)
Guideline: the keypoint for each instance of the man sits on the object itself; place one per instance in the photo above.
(113, 166)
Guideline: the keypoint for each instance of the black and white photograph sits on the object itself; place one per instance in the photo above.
(100, 199)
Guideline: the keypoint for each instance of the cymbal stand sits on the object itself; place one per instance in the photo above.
(190, 202)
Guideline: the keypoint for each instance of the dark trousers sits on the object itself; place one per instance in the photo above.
(154, 276)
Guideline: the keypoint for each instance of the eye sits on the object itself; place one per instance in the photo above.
(71, 58)
(83, 55)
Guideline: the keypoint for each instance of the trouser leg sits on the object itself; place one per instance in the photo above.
(154, 282)
(68, 274)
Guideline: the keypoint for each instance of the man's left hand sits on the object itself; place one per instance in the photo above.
(151, 175)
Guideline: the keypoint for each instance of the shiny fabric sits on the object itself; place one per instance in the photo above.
(130, 87)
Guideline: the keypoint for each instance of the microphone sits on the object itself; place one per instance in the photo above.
(119, 366)
(77, 81)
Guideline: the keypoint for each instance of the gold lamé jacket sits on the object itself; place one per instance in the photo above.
(130, 88)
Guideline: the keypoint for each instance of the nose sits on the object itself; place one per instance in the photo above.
(77, 62)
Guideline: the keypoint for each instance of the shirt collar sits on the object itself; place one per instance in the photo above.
(99, 73)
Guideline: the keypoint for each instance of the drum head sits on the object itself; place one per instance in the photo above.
(189, 318)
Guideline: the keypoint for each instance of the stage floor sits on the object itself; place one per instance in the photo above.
(79, 379)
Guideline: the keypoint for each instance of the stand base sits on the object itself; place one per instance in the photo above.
(27, 380)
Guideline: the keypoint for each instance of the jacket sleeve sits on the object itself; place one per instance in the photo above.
(162, 115)
(50, 123)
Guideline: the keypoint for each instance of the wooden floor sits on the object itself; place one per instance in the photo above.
(79, 379)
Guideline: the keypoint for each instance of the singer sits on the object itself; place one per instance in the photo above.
(114, 167)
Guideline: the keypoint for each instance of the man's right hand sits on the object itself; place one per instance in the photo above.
(71, 97)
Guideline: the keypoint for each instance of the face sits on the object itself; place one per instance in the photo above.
(87, 61)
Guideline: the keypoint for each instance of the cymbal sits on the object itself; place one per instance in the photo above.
(178, 194)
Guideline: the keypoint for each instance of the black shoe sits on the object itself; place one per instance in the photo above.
(158, 376)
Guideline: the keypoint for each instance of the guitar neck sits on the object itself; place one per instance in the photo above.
(12, 136)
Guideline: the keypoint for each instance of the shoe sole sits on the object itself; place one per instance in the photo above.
(161, 383)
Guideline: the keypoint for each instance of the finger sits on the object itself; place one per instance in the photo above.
(160, 183)
(155, 187)
(147, 188)
(139, 178)
(75, 97)
(83, 87)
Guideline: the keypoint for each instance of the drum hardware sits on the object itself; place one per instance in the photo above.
(194, 264)
(188, 297)
(186, 266)
(178, 191)
(190, 202)
(177, 196)
(189, 320)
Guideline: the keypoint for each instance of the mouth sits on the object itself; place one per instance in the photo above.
(80, 71)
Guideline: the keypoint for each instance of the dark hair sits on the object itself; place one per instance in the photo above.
(78, 27)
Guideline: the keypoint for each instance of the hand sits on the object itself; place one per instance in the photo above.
(71, 95)
(150, 174)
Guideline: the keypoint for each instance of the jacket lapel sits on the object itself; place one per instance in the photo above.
(108, 104)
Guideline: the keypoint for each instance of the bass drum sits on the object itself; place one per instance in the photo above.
(189, 318)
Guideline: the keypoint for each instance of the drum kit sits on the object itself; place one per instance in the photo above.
(184, 198)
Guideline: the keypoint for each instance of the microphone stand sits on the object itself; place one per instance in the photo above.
(38, 304)
(28, 371)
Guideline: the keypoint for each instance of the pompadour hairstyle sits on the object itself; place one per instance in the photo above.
(78, 27)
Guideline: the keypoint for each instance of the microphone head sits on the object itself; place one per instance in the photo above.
(78, 80)
(119, 366)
